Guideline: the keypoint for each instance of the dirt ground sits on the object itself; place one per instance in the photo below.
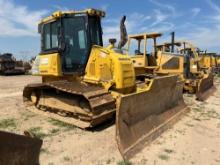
(195, 139)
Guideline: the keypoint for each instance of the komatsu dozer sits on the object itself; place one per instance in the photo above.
(186, 62)
(85, 84)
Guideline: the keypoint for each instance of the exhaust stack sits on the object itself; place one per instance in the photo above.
(172, 41)
(123, 33)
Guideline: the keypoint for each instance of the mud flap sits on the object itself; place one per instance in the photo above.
(19, 149)
(142, 117)
(205, 88)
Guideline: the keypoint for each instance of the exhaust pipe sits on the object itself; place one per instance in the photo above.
(123, 33)
(172, 41)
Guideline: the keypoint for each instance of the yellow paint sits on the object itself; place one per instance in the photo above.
(58, 14)
(108, 68)
(141, 62)
(49, 65)
(218, 61)
(205, 61)
(196, 62)
(105, 67)
(164, 57)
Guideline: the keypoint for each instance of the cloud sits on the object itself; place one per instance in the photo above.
(164, 27)
(137, 22)
(104, 7)
(170, 8)
(206, 37)
(17, 20)
(159, 17)
(195, 11)
(203, 33)
(213, 5)
(61, 8)
(134, 22)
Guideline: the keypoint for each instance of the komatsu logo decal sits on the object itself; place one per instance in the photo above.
(44, 61)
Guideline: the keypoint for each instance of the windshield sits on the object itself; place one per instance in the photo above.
(79, 39)
(76, 44)
(136, 47)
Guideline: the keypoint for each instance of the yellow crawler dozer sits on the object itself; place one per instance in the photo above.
(209, 61)
(217, 59)
(186, 62)
(85, 84)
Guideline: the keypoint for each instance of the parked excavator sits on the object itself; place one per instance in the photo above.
(85, 84)
(9, 65)
(188, 64)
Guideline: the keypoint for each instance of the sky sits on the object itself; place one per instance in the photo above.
(197, 21)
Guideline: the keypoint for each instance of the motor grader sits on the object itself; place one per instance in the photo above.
(85, 84)
(186, 62)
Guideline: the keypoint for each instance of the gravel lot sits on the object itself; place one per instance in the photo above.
(195, 139)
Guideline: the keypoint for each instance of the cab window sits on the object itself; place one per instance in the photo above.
(50, 36)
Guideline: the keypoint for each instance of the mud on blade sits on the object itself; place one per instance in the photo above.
(144, 116)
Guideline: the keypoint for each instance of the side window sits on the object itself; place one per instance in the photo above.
(135, 48)
(47, 36)
(54, 35)
(150, 46)
(50, 36)
(81, 36)
(95, 31)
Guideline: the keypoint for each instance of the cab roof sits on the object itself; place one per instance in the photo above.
(169, 44)
(58, 14)
(147, 35)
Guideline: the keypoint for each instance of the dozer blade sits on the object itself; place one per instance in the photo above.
(18, 149)
(205, 88)
(142, 117)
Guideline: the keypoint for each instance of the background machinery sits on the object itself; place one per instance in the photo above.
(209, 60)
(217, 59)
(9, 65)
(85, 84)
(188, 64)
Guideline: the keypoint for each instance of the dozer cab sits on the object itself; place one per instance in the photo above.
(85, 84)
(186, 62)
(9, 65)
